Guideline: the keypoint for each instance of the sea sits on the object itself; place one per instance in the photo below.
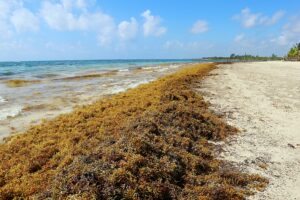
(34, 90)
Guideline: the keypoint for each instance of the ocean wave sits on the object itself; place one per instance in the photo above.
(160, 68)
(152, 67)
(116, 89)
(10, 112)
(90, 76)
(123, 70)
(133, 85)
(174, 66)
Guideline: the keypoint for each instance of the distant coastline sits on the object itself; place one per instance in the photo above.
(246, 57)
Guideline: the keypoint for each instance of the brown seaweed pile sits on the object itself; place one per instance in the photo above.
(150, 142)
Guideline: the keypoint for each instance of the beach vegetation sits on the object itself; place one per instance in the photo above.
(294, 52)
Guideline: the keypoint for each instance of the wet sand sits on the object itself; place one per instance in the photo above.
(263, 100)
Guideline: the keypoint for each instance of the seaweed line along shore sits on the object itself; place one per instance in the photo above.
(150, 142)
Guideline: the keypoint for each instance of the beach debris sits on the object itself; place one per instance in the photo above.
(292, 146)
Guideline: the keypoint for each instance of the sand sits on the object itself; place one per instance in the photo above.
(262, 99)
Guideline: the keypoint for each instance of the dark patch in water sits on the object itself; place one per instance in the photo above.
(8, 73)
(46, 75)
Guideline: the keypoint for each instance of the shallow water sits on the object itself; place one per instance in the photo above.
(58, 86)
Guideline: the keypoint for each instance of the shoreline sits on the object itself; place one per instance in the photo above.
(155, 136)
(26, 102)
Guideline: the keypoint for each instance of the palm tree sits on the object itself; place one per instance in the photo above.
(294, 52)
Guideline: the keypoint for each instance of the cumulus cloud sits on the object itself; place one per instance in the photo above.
(200, 26)
(249, 19)
(273, 19)
(127, 30)
(290, 33)
(24, 20)
(152, 25)
(61, 16)
(69, 4)
(14, 17)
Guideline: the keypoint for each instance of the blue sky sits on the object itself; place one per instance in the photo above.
(112, 29)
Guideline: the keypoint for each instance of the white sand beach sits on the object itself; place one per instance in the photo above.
(262, 99)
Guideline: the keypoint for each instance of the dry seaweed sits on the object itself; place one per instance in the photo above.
(150, 142)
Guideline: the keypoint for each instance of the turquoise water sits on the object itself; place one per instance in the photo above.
(64, 84)
(41, 69)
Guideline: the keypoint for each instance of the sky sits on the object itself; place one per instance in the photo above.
(145, 29)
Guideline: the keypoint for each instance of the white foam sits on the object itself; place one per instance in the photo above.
(123, 70)
(163, 69)
(118, 89)
(2, 100)
(10, 112)
(133, 85)
(152, 67)
(174, 66)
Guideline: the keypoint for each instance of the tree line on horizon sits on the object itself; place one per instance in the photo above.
(293, 54)
(245, 57)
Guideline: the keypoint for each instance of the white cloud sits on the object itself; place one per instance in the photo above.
(128, 29)
(271, 20)
(61, 16)
(290, 33)
(81, 4)
(14, 17)
(58, 16)
(239, 38)
(24, 20)
(152, 25)
(249, 19)
(200, 26)
(5, 8)
(70, 4)
(255, 45)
